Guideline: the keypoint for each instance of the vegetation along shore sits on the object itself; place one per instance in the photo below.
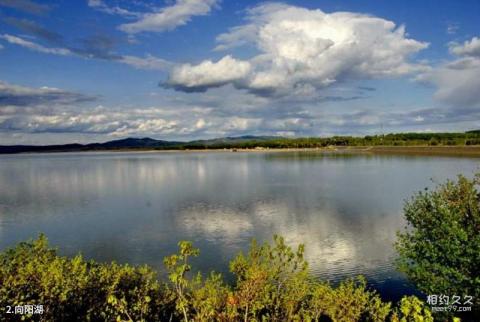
(443, 143)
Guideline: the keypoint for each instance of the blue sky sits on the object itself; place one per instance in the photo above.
(96, 70)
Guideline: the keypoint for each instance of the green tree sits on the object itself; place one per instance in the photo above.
(178, 267)
(440, 248)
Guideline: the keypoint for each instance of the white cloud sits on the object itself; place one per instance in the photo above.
(135, 127)
(458, 82)
(468, 48)
(35, 47)
(47, 112)
(108, 122)
(1, 47)
(200, 124)
(169, 18)
(208, 74)
(302, 49)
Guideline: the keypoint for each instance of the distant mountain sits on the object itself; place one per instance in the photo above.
(134, 142)
(129, 143)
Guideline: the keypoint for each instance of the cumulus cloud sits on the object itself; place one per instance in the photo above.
(457, 82)
(56, 124)
(53, 110)
(50, 110)
(207, 74)
(303, 50)
(40, 112)
(468, 48)
(171, 17)
(100, 121)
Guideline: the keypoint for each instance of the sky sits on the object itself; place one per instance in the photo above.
(98, 70)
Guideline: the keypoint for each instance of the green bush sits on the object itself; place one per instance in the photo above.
(440, 248)
(411, 309)
(272, 284)
(77, 290)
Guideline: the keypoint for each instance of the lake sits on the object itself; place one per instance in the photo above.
(135, 207)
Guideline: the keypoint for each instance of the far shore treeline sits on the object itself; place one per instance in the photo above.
(470, 138)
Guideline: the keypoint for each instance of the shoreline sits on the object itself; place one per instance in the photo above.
(469, 151)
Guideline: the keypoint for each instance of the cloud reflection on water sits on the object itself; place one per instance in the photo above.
(333, 250)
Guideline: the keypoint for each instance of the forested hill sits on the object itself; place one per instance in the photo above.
(249, 142)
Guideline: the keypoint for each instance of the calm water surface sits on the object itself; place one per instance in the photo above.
(135, 207)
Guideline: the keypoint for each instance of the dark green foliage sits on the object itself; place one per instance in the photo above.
(440, 248)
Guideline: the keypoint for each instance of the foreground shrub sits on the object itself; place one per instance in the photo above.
(440, 249)
(411, 309)
(272, 284)
(77, 290)
(272, 281)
